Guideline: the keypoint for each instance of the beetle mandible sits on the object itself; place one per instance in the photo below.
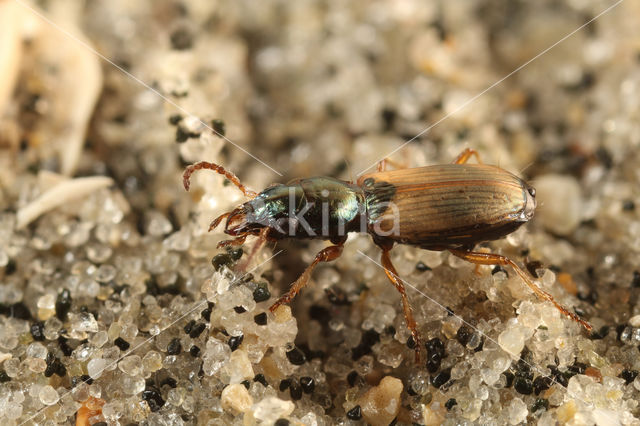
(442, 207)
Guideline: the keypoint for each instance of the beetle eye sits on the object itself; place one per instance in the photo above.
(532, 191)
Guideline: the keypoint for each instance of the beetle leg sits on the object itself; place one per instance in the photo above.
(325, 255)
(215, 222)
(382, 164)
(496, 259)
(395, 279)
(262, 238)
(235, 242)
(465, 155)
(186, 176)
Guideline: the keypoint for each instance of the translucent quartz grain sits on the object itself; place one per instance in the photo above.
(512, 339)
(152, 361)
(391, 355)
(419, 382)
(13, 411)
(239, 367)
(176, 396)
(12, 367)
(215, 356)
(77, 235)
(105, 273)
(178, 241)
(131, 365)
(37, 365)
(500, 363)
(490, 376)
(37, 350)
(381, 316)
(129, 331)
(52, 328)
(364, 365)
(95, 367)
(83, 322)
(98, 253)
(517, 411)
(132, 385)
(271, 409)
(48, 395)
(157, 224)
(48, 301)
(99, 339)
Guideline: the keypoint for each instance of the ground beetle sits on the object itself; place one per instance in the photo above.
(443, 207)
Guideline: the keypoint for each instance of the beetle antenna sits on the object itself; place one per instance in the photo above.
(218, 169)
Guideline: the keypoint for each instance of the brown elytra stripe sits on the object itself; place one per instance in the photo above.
(452, 203)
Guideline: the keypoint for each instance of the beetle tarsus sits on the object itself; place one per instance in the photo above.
(325, 255)
(496, 259)
(465, 155)
(395, 279)
(186, 176)
(235, 242)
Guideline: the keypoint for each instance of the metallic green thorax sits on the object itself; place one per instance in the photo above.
(319, 207)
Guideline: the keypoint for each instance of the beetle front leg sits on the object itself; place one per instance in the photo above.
(215, 222)
(465, 155)
(235, 242)
(395, 279)
(496, 259)
(325, 255)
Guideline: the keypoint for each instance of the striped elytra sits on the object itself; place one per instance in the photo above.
(446, 205)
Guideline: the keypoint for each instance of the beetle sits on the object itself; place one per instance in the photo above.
(441, 207)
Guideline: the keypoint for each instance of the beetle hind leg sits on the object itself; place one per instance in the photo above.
(465, 155)
(395, 279)
(496, 259)
(325, 255)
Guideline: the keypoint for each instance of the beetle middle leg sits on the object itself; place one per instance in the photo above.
(395, 279)
(235, 242)
(496, 259)
(465, 155)
(325, 255)
(263, 237)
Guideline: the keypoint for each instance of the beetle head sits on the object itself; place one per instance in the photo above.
(529, 203)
